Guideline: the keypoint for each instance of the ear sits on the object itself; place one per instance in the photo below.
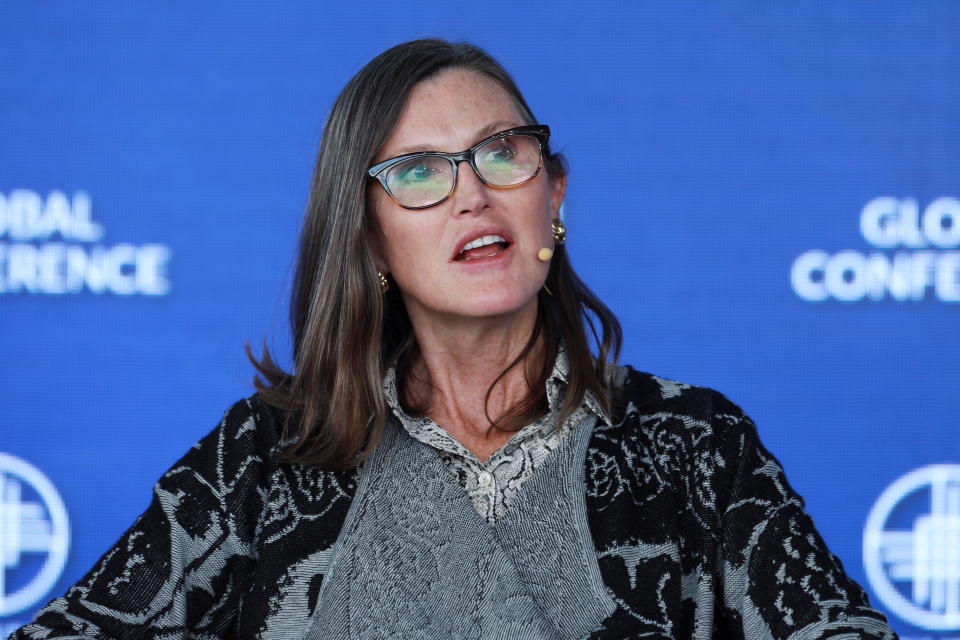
(558, 188)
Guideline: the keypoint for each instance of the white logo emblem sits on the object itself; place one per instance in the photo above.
(915, 569)
(29, 527)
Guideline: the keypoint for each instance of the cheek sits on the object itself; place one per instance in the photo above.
(406, 239)
(543, 215)
(390, 228)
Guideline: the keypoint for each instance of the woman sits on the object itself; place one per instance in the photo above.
(449, 459)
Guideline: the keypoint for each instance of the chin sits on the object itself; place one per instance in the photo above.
(498, 304)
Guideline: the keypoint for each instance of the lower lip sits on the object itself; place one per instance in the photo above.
(499, 257)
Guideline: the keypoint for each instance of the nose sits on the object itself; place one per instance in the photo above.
(471, 195)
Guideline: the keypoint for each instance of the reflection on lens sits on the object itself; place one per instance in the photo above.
(509, 160)
(420, 181)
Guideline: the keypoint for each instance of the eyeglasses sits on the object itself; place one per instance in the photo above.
(506, 159)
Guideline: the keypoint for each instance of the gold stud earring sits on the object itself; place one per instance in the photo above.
(559, 231)
(384, 283)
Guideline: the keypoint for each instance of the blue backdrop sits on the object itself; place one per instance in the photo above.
(765, 193)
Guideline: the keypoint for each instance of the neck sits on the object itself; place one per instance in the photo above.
(459, 360)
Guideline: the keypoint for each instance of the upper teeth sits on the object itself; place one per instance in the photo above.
(482, 241)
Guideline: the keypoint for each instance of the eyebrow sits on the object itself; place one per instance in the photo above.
(490, 129)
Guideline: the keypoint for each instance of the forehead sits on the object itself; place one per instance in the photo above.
(445, 112)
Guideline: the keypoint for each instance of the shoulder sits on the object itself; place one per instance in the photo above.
(684, 430)
(691, 430)
(250, 426)
(246, 428)
(229, 458)
(654, 470)
(641, 393)
(251, 436)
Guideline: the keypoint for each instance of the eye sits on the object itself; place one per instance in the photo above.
(415, 171)
(502, 150)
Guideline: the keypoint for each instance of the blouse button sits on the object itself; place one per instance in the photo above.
(484, 479)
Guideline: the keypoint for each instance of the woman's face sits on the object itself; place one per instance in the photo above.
(422, 249)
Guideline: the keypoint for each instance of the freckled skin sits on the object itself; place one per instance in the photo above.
(447, 112)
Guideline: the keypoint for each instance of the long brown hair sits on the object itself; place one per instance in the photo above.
(345, 331)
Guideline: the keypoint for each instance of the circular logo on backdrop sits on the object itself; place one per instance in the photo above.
(34, 535)
(911, 547)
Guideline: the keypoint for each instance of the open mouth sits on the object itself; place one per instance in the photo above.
(482, 247)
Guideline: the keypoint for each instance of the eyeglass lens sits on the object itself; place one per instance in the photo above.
(426, 180)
